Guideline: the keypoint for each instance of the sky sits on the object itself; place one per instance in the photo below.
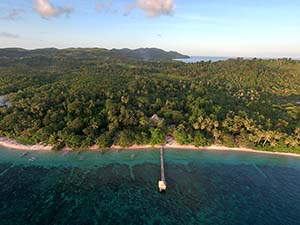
(245, 28)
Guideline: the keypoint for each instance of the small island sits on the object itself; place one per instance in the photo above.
(106, 99)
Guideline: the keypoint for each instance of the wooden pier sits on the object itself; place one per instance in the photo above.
(162, 185)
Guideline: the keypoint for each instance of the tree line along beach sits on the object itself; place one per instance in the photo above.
(78, 98)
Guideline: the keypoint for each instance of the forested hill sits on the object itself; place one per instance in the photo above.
(82, 101)
(146, 54)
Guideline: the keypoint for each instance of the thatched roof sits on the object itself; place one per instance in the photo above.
(155, 119)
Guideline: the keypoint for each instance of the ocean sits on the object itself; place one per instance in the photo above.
(120, 187)
(195, 59)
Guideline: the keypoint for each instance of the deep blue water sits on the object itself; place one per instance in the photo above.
(204, 187)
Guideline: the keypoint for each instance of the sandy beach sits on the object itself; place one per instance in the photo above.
(208, 148)
(12, 144)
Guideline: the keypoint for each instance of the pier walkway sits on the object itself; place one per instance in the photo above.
(162, 185)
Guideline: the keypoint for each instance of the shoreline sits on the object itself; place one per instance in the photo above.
(14, 145)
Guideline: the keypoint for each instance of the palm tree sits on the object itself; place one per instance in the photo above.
(268, 137)
(290, 141)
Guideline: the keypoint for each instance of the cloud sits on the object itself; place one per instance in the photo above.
(152, 8)
(8, 35)
(13, 14)
(48, 10)
(155, 8)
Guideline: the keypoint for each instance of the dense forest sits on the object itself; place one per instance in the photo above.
(80, 99)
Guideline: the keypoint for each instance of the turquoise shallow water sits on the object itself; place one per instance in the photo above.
(204, 187)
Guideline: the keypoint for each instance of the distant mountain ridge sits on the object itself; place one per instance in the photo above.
(146, 54)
